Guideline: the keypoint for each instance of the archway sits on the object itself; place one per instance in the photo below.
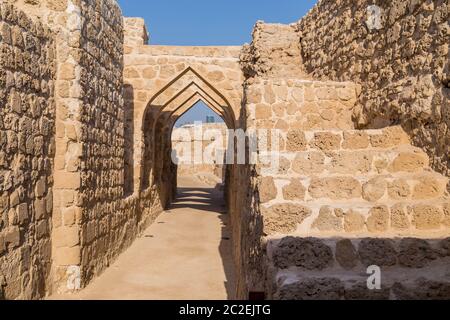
(169, 104)
(199, 203)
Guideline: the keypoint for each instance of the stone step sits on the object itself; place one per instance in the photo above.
(337, 268)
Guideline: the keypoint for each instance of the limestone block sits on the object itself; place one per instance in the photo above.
(422, 289)
(309, 254)
(355, 140)
(12, 237)
(378, 220)
(390, 137)
(399, 217)
(399, 189)
(64, 180)
(379, 252)
(428, 188)
(346, 254)
(360, 292)
(312, 289)
(327, 221)
(415, 253)
(263, 111)
(67, 256)
(294, 191)
(335, 188)
(344, 162)
(427, 217)
(267, 189)
(296, 141)
(326, 141)
(410, 162)
(284, 218)
(309, 164)
(40, 208)
(375, 189)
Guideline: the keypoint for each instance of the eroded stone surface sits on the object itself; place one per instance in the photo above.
(379, 252)
(346, 254)
(310, 254)
(312, 289)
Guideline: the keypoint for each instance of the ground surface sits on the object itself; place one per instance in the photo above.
(184, 255)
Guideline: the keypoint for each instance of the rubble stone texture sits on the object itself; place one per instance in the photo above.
(357, 92)
(402, 64)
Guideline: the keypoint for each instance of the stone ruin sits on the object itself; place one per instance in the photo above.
(358, 89)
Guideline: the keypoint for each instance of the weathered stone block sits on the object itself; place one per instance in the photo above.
(391, 137)
(263, 112)
(40, 209)
(309, 254)
(354, 221)
(379, 252)
(427, 217)
(428, 188)
(66, 237)
(12, 237)
(346, 254)
(409, 162)
(67, 256)
(267, 189)
(312, 289)
(294, 191)
(399, 189)
(399, 217)
(64, 180)
(355, 140)
(422, 289)
(307, 164)
(360, 291)
(326, 141)
(284, 218)
(415, 253)
(375, 189)
(335, 188)
(345, 162)
(296, 141)
(378, 220)
(22, 213)
(327, 221)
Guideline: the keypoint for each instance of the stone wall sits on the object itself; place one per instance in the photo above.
(274, 52)
(92, 220)
(105, 225)
(27, 150)
(330, 181)
(398, 51)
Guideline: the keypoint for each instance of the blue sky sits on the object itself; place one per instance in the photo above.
(210, 22)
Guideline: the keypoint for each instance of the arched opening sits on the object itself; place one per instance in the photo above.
(196, 192)
(164, 109)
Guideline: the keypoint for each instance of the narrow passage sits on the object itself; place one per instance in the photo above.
(185, 254)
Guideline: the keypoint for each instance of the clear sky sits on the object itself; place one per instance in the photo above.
(210, 22)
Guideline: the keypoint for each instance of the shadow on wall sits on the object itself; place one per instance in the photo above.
(212, 200)
(129, 140)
